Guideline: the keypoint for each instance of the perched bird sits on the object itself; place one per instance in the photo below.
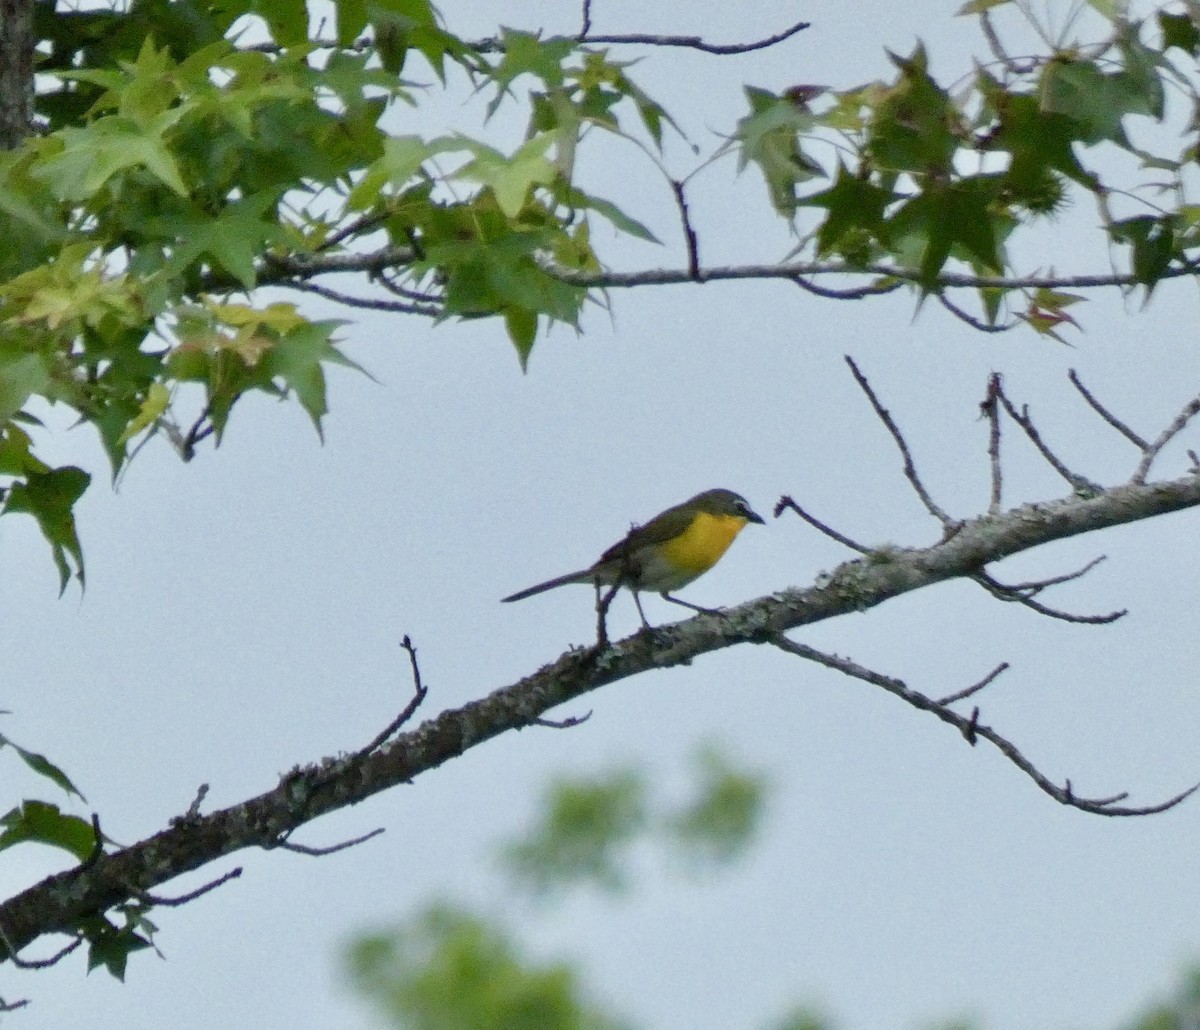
(668, 552)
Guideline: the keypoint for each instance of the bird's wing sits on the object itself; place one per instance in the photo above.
(658, 530)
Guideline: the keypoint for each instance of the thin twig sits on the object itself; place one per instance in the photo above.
(689, 233)
(1105, 414)
(1078, 482)
(409, 710)
(305, 849)
(785, 502)
(963, 315)
(1010, 65)
(36, 963)
(97, 851)
(1036, 586)
(972, 730)
(696, 42)
(586, 26)
(1190, 410)
(350, 300)
(910, 470)
(563, 724)
(974, 688)
(193, 811)
(1005, 593)
(370, 220)
(183, 899)
(407, 292)
(990, 410)
(857, 293)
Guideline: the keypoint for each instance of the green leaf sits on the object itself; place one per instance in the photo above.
(287, 19)
(770, 138)
(89, 157)
(1154, 242)
(915, 126)
(1179, 30)
(979, 6)
(588, 823)
(955, 218)
(721, 821)
(511, 178)
(50, 498)
(447, 968)
(111, 947)
(1098, 101)
(1038, 141)
(234, 239)
(41, 765)
(619, 219)
(522, 330)
(23, 373)
(157, 399)
(351, 20)
(856, 209)
(42, 823)
(526, 54)
(297, 359)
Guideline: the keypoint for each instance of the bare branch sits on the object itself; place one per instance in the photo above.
(1021, 418)
(913, 276)
(194, 808)
(1190, 410)
(689, 233)
(564, 724)
(696, 42)
(183, 899)
(972, 731)
(975, 323)
(877, 289)
(37, 963)
(332, 849)
(409, 710)
(1019, 596)
(586, 27)
(277, 268)
(1036, 586)
(61, 901)
(910, 470)
(974, 688)
(990, 410)
(785, 502)
(1105, 414)
(369, 303)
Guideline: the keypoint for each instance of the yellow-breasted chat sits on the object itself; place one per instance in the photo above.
(668, 552)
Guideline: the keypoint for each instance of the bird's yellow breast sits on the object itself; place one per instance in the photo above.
(699, 547)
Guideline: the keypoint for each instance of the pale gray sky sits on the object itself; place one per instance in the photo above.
(242, 615)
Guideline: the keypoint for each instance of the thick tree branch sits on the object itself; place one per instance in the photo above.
(56, 904)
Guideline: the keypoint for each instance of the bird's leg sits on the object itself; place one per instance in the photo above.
(602, 603)
(688, 604)
(638, 601)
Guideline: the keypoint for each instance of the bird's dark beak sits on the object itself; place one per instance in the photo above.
(753, 517)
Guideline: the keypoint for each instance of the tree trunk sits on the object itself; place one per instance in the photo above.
(16, 71)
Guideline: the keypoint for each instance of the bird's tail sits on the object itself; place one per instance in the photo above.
(583, 576)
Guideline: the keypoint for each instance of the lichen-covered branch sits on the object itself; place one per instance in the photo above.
(57, 903)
